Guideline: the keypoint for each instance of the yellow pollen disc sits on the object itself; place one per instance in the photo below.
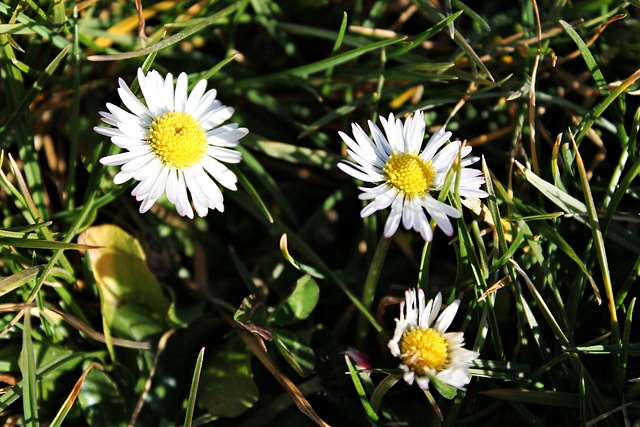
(409, 173)
(424, 348)
(177, 139)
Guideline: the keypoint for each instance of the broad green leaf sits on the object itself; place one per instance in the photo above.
(299, 304)
(48, 389)
(297, 353)
(123, 278)
(226, 382)
(252, 316)
(136, 322)
(102, 402)
(71, 398)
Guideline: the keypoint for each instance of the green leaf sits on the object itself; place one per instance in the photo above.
(227, 387)
(252, 316)
(447, 391)
(101, 401)
(297, 353)
(299, 304)
(284, 247)
(123, 278)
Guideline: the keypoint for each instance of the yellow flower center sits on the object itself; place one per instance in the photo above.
(177, 139)
(409, 173)
(424, 349)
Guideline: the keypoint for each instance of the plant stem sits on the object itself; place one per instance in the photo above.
(369, 290)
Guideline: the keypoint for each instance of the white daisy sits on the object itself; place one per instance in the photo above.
(406, 176)
(424, 347)
(174, 143)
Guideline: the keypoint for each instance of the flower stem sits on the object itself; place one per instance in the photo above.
(369, 290)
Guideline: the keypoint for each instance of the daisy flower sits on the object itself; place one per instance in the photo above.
(174, 142)
(423, 346)
(406, 175)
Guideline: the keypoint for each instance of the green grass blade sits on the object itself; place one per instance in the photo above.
(170, 41)
(588, 121)
(336, 46)
(324, 64)
(193, 392)
(586, 54)
(14, 393)
(360, 390)
(41, 244)
(599, 244)
(28, 367)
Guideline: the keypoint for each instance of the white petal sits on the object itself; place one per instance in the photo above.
(152, 88)
(414, 128)
(146, 205)
(200, 201)
(436, 141)
(131, 144)
(194, 97)
(446, 317)
(382, 190)
(220, 173)
(393, 220)
(446, 156)
(138, 163)
(423, 382)
(122, 177)
(224, 154)
(432, 205)
(216, 117)
(443, 222)
(131, 102)
(119, 159)
(171, 189)
(160, 183)
(431, 311)
(351, 169)
(180, 98)
(168, 93)
(208, 185)
(226, 136)
(182, 203)
(394, 135)
(365, 146)
(108, 132)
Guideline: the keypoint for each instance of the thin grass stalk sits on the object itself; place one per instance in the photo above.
(370, 286)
